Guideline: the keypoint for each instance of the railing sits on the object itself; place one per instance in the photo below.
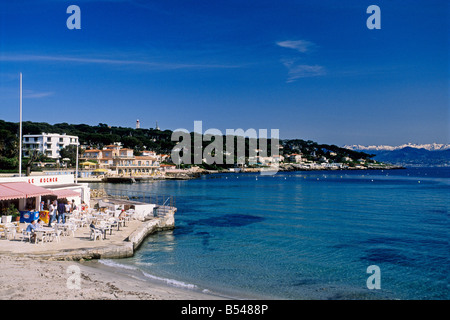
(164, 203)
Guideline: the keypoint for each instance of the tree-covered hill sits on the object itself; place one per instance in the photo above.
(141, 139)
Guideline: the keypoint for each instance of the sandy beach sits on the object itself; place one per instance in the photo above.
(23, 277)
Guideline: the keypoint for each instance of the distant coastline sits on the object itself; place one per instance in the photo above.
(191, 174)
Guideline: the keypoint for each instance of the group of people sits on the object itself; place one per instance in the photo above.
(57, 210)
(32, 227)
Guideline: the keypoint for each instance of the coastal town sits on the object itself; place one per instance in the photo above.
(116, 163)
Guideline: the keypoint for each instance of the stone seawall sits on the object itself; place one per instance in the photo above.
(103, 250)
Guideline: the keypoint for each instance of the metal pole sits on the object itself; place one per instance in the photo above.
(76, 169)
(20, 126)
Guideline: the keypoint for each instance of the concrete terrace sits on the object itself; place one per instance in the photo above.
(119, 244)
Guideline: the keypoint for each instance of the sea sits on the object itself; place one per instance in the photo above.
(353, 235)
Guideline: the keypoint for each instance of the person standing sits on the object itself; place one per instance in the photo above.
(68, 207)
(52, 213)
(61, 212)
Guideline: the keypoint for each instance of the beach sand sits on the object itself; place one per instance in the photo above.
(24, 278)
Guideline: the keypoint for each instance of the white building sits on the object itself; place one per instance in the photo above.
(26, 193)
(47, 143)
(295, 157)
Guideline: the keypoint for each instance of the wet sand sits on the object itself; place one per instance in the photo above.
(23, 277)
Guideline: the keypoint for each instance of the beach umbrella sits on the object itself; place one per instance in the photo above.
(88, 163)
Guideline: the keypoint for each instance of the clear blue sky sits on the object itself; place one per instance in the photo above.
(311, 69)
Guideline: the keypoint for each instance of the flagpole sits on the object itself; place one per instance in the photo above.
(20, 128)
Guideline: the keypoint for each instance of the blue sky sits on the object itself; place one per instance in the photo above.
(311, 69)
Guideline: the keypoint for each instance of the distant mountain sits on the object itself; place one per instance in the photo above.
(410, 154)
(429, 147)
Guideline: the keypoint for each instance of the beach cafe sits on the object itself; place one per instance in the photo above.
(32, 195)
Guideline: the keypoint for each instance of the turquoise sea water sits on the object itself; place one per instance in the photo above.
(304, 235)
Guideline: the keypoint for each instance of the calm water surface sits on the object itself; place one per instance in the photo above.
(303, 235)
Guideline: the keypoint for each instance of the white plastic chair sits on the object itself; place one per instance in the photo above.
(71, 227)
(10, 232)
(26, 235)
(113, 222)
(40, 237)
(76, 213)
(95, 233)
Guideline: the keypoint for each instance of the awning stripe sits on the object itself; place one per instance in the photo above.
(9, 194)
(24, 190)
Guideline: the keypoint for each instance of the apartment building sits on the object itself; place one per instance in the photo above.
(47, 143)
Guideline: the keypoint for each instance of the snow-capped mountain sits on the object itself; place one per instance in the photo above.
(429, 147)
(433, 154)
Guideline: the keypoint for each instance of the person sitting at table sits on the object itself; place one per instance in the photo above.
(39, 224)
(32, 228)
(92, 226)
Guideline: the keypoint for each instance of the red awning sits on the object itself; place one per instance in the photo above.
(26, 190)
(8, 194)
(65, 193)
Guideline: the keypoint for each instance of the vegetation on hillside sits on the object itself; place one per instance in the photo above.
(147, 139)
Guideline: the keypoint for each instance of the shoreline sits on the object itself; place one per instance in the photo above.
(25, 277)
(192, 175)
(210, 293)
